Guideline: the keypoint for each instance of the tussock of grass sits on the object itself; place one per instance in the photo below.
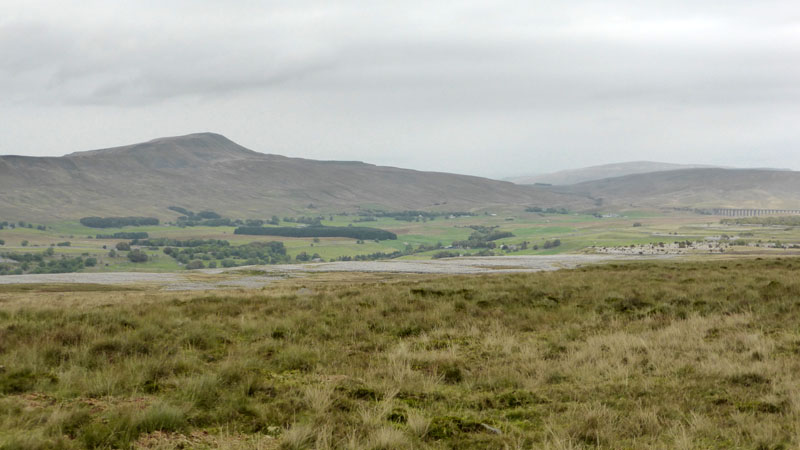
(659, 355)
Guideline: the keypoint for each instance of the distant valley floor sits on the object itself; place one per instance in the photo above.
(258, 276)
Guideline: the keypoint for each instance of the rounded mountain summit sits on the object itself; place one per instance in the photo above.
(209, 171)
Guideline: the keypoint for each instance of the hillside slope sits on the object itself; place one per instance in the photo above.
(698, 188)
(208, 171)
(573, 176)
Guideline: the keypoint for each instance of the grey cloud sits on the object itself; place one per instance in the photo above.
(414, 82)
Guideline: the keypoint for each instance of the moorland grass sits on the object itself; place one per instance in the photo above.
(635, 355)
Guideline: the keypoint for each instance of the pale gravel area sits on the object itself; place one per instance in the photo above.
(240, 278)
(92, 278)
(467, 265)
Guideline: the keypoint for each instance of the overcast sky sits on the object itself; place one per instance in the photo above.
(488, 88)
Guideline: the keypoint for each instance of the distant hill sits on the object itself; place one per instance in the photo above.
(208, 171)
(581, 175)
(697, 188)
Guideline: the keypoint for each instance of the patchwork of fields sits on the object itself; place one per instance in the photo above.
(576, 233)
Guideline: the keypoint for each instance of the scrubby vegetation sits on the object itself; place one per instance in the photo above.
(194, 252)
(43, 262)
(124, 235)
(117, 222)
(659, 355)
(364, 233)
(791, 221)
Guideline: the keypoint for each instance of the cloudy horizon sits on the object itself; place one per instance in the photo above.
(501, 89)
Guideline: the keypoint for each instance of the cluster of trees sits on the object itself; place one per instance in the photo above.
(191, 215)
(552, 244)
(304, 257)
(539, 209)
(491, 233)
(231, 256)
(362, 233)
(42, 263)
(137, 256)
(203, 218)
(786, 221)
(117, 222)
(124, 235)
(483, 237)
(21, 224)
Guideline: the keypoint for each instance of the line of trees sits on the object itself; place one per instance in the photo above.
(166, 242)
(117, 222)
(124, 235)
(21, 224)
(363, 233)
